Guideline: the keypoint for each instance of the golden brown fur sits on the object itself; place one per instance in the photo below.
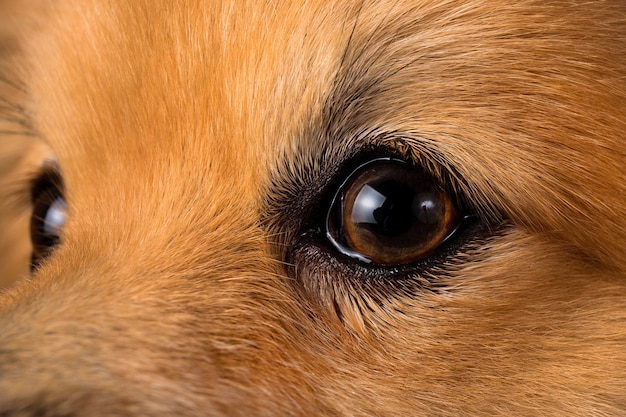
(193, 138)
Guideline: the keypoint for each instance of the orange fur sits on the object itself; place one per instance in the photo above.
(192, 138)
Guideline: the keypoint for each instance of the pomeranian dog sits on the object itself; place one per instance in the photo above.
(313, 208)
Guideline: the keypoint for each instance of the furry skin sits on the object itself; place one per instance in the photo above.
(194, 138)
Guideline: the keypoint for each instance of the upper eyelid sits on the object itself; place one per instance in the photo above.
(297, 193)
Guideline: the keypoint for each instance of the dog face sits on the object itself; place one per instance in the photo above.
(322, 208)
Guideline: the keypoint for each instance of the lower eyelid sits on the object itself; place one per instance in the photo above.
(315, 257)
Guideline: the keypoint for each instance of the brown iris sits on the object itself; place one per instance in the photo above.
(388, 213)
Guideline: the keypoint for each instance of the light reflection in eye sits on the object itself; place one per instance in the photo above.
(365, 205)
(55, 217)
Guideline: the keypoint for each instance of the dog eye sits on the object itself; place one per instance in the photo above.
(48, 218)
(387, 212)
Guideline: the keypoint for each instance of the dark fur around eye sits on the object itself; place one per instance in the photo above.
(298, 217)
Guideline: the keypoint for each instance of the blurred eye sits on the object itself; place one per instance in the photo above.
(48, 219)
(388, 212)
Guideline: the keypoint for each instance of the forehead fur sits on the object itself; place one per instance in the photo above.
(252, 79)
(231, 66)
(175, 96)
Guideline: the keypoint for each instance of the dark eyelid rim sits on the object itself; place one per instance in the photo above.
(469, 221)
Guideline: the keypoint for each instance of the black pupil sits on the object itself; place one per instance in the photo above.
(391, 209)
